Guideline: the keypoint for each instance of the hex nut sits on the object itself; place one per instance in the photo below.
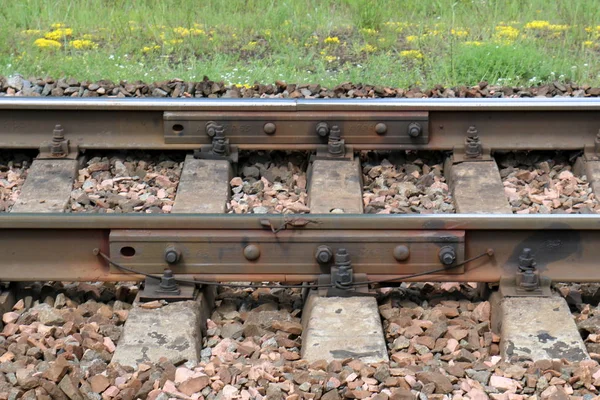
(172, 255)
(447, 255)
(322, 129)
(251, 252)
(323, 254)
(414, 129)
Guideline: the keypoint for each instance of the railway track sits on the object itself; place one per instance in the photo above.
(319, 191)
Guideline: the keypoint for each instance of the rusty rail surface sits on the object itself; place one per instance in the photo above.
(514, 124)
(251, 247)
(60, 247)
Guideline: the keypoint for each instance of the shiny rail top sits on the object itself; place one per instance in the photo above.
(178, 104)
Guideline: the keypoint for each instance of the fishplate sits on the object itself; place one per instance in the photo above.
(306, 127)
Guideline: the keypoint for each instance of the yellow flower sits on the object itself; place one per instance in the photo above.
(175, 41)
(83, 44)
(332, 40)
(148, 49)
(250, 45)
(47, 43)
(59, 33)
(58, 25)
(330, 58)
(368, 48)
(368, 31)
(506, 32)
(588, 43)
(412, 54)
(31, 32)
(181, 31)
(459, 32)
(558, 28)
(473, 43)
(537, 25)
(411, 38)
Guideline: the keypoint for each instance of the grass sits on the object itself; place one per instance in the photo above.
(386, 42)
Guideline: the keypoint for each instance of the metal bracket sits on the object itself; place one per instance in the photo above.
(592, 153)
(220, 149)
(167, 289)
(527, 282)
(341, 275)
(472, 149)
(59, 148)
(336, 148)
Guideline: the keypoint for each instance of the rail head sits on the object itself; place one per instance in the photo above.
(395, 104)
(531, 222)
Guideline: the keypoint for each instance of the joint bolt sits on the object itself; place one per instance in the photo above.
(251, 252)
(401, 253)
(381, 128)
(323, 254)
(414, 129)
(447, 255)
(172, 255)
(269, 128)
(322, 129)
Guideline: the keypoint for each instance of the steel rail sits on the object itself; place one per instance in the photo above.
(470, 222)
(377, 124)
(385, 104)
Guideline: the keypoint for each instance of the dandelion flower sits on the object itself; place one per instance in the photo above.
(59, 33)
(411, 54)
(83, 44)
(43, 43)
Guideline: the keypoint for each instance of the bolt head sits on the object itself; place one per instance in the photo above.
(251, 252)
(401, 253)
(269, 128)
(381, 128)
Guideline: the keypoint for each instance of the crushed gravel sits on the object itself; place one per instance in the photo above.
(270, 182)
(544, 183)
(57, 343)
(405, 183)
(17, 85)
(13, 171)
(132, 182)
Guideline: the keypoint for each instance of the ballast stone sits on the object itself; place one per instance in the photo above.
(336, 328)
(538, 328)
